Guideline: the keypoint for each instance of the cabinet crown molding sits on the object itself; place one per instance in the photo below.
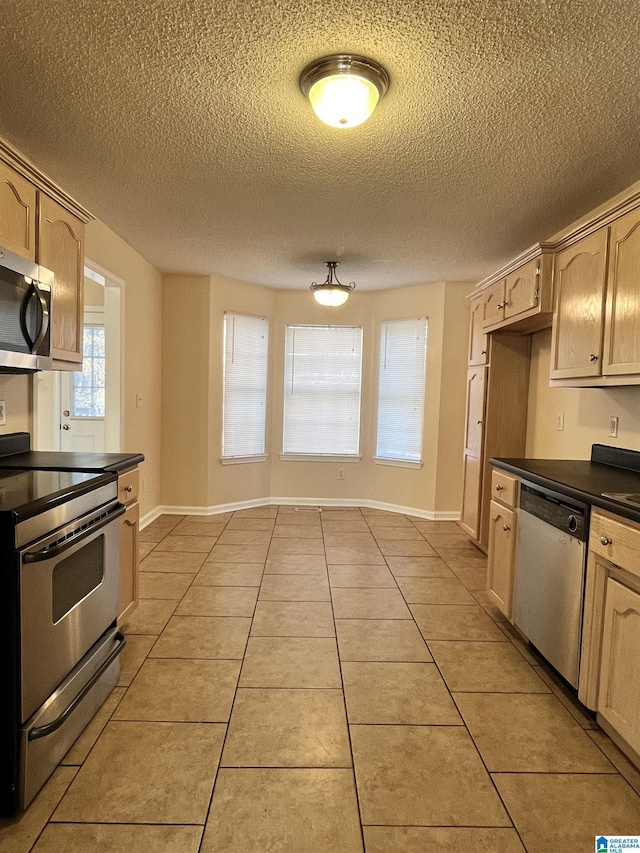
(14, 158)
(535, 251)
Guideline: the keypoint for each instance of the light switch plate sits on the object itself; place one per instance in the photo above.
(3, 413)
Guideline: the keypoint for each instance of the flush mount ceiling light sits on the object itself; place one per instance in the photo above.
(344, 88)
(331, 292)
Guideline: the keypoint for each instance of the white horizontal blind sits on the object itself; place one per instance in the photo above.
(246, 341)
(403, 351)
(322, 378)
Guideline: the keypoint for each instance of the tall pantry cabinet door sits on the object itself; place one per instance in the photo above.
(578, 317)
(17, 213)
(478, 343)
(474, 433)
(61, 249)
(619, 693)
(622, 326)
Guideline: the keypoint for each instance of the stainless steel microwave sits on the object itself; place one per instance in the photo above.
(25, 315)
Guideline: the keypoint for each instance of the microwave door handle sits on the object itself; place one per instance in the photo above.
(31, 290)
(44, 322)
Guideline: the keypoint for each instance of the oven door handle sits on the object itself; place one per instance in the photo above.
(50, 553)
(50, 728)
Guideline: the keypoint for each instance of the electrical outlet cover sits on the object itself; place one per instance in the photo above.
(3, 413)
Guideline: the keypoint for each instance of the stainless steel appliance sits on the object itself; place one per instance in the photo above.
(59, 542)
(550, 575)
(25, 313)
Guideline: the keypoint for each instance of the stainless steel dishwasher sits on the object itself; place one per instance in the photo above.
(550, 575)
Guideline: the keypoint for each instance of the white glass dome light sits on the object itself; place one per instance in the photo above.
(344, 89)
(331, 292)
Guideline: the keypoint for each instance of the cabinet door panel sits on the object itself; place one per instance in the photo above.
(622, 326)
(17, 213)
(493, 304)
(61, 249)
(476, 385)
(478, 342)
(500, 565)
(580, 277)
(619, 693)
(128, 561)
(521, 290)
(472, 484)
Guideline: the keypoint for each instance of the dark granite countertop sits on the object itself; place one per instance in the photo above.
(579, 479)
(45, 460)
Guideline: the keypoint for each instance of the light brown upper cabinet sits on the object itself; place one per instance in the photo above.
(621, 353)
(596, 326)
(578, 317)
(519, 297)
(17, 213)
(61, 249)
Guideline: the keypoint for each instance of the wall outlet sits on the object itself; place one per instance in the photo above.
(560, 422)
(341, 473)
(613, 427)
(3, 413)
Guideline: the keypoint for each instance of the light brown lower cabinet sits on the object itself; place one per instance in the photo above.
(501, 562)
(129, 544)
(610, 653)
(619, 687)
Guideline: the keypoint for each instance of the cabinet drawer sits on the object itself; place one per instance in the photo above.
(128, 486)
(505, 488)
(616, 540)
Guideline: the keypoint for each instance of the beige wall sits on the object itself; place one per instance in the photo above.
(586, 412)
(16, 393)
(142, 352)
(192, 397)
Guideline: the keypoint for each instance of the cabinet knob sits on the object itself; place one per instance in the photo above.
(606, 541)
(128, 488)
(593, 357)
(506, 527)
(499, 488)
(478, 422)
(483, 352)
(500, 305)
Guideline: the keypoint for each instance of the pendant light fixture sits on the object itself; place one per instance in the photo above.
(344, 88)
(331, 292)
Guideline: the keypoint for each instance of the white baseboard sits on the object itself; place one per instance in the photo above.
(428, 515)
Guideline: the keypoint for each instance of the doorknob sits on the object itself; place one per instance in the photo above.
(66, 426)
(66, 413)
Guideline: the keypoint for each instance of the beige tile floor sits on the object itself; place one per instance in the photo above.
(306, 682)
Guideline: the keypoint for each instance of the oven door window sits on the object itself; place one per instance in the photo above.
(76, 576)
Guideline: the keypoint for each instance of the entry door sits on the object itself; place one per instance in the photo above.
(82, 394)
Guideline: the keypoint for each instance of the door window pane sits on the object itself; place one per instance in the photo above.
(89, 383)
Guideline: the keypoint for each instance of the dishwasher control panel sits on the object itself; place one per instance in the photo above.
(557, 510)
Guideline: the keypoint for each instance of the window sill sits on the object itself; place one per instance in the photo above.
(242, 460)
(397, 463)
(310, 457)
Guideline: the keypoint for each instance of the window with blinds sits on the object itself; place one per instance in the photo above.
(401, 389)
(246, 342)
(322, 380)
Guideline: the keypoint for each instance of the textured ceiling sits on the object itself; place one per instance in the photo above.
(179, 123)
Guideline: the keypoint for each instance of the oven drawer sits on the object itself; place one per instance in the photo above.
(616, 541)
(46, 738)
(128, 486)
(505, 488)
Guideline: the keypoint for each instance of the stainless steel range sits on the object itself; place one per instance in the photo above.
(59, 546)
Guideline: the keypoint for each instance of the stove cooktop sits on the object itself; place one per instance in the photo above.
(23, 492)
